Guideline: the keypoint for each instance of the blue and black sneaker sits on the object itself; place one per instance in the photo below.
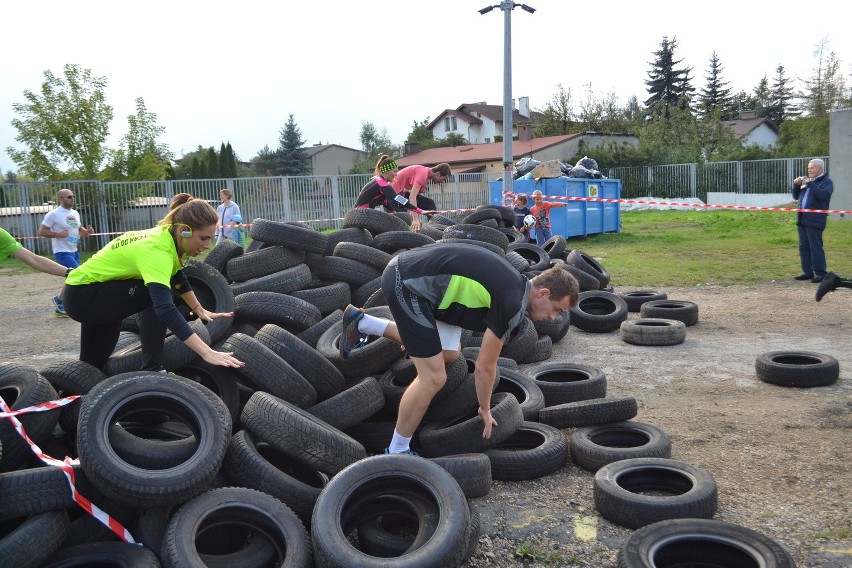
(351, 338)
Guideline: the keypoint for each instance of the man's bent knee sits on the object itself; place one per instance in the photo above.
(451, 355)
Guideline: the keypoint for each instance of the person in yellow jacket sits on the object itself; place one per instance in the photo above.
(136, 273)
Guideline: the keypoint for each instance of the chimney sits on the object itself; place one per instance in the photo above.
(412, 148)
(524, 106)
(747, 114)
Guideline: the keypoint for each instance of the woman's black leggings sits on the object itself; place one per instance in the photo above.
(100, 307)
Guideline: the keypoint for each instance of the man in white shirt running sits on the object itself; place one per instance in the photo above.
(63, 227)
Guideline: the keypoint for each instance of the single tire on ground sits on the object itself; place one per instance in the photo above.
(680, 310)
(593, 447)
(653, 331)
(641, 491)
(802, 369)
(701, 542)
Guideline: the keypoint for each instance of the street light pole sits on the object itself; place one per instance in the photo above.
(508, 163)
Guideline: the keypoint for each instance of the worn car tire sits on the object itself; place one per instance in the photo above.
(593, 447)
(701, 542)
(802, 369)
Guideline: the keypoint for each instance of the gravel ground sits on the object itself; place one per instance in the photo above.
(780, 456)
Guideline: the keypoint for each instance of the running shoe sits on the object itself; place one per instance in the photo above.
(408, 452)
(60, 307)
(351, 338)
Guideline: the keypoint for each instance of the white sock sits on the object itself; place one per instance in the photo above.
(399, 444)
(372, 325)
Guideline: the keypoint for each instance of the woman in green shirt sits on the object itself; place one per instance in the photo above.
(136, 273)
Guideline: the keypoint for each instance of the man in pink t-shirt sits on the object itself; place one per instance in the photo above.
(411, 181)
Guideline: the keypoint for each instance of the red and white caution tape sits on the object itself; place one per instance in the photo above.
(695, 205)
(65, 465)
(43, 407)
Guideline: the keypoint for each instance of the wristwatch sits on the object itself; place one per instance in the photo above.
(67, 272)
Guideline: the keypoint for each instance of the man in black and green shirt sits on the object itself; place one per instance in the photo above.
(434, 292)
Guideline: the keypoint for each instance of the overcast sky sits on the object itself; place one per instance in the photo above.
(218, 71)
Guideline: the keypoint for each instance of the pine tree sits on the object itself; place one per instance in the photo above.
(782, 105)
(223, 161)
(195, 169)
(211, 163)
(232, 161)
(762, 98)
(294, 160)
(667, 84)
(715, 96)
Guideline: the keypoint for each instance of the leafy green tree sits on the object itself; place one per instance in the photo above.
(715, 96)
(291, 147)
(667, 84)
(804, 136)
(451, 140)
(783, 96)
(266, 163)
(558, 116)
(373, 145)
(139, 156)
(421, 135)
(762, 99)
(63, 127)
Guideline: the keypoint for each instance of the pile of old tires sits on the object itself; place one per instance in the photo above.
(281, 463)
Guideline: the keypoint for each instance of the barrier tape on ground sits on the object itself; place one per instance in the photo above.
(694, 205)
(65, 465)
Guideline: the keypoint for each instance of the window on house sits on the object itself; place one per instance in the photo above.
(450, 123)
(488, 140)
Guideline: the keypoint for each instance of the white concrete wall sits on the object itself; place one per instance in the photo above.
(840, 150)
(749, 199)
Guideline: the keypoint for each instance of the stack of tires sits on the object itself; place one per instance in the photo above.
(282, 462)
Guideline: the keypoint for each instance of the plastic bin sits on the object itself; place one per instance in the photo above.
(577, 218)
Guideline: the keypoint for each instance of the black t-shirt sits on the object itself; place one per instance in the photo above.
(469, 286)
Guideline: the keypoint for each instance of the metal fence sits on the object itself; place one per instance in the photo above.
(115, 207)
(696, 180)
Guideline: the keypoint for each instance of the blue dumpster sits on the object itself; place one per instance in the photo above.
(577, 218)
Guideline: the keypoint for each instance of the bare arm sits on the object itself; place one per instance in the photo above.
(485, 374)
(40, 263)
(44, 231)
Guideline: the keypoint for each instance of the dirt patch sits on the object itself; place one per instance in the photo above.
(781, 457)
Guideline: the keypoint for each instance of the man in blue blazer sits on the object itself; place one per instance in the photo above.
(812, 192)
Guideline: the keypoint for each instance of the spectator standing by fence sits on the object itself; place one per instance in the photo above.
(226, 211)
(521, 211)
(64, 229)
(812, 192)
